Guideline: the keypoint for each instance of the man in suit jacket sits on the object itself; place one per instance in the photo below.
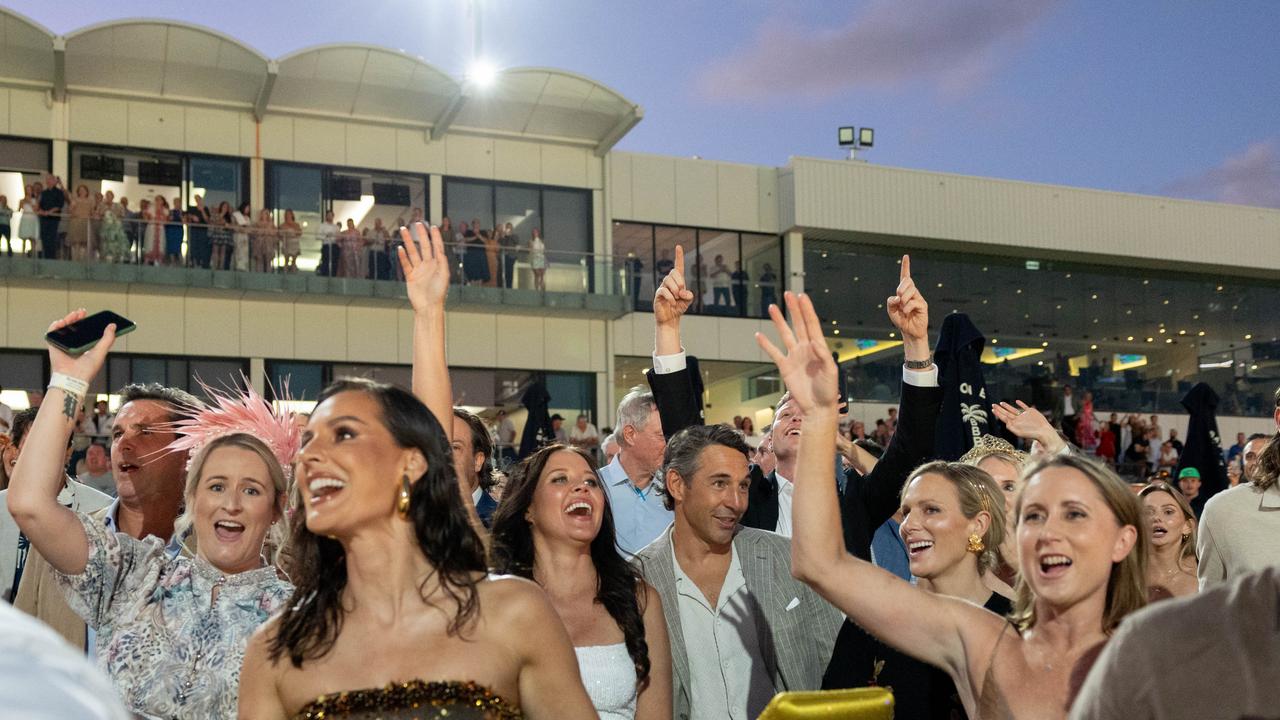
(867, 500)
(741, 628)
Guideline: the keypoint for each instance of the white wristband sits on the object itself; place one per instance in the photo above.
(69, 385)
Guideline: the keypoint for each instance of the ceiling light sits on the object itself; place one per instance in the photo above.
(837, 331)
(1130, 338)
(1093, 296)
(1151, 339)
(1248, 337)
(1168, 340)
(1201, 333)
(1039, 362)
(1182, 332)
(1166, 302)
(1044, 344)
(994, 341)
(1161, 331)
(1093, 347)
(893, 335)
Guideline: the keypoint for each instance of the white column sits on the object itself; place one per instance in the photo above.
(435, 198)
(793, 254)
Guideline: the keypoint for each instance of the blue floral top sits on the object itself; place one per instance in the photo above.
(170, 647)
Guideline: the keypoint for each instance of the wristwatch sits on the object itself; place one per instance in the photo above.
(918, 364)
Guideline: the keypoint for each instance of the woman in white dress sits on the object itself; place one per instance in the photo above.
(241, 219)
(538, 260)
(555, 527)
(29, 225)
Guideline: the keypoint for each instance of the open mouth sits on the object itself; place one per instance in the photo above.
(127, 467)
(323, 489)
(1159, 532)
(918, 547)
(793, 432)
(228, 530)
(726, 523)
(1054, 565)
(579, 509)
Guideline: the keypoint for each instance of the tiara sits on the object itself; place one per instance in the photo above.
(238, 411)
(987, 445)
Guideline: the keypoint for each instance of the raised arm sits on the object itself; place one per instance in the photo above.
(927, 626)
(673, 382)
(426, 278)
(1029, 424)
(912, 443)
(55, 530)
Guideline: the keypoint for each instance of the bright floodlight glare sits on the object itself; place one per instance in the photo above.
(866, 137)
(846, 136)
(482, 73)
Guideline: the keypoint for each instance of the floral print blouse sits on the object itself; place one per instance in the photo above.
(170, 647)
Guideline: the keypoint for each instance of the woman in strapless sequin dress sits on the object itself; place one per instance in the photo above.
(395, 615)
(555, 526)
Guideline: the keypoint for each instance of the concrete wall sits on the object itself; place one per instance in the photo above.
(709, 338)
(840, 197)
(169, 126)
(703, 193)
(224, 324)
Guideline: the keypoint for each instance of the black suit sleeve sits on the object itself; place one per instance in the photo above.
(678, 396)
(869, 501)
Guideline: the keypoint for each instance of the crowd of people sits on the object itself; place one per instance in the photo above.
(90, 226)
(363, 562)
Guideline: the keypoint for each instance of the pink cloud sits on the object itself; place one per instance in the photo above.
(1251, 177)
(954, 44)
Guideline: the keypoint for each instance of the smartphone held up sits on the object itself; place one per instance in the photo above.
(80, 336)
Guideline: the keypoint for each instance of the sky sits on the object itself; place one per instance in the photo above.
(1168, 97)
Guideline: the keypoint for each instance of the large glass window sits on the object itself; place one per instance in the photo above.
(375, 202)
(730, 273)
(22, 162)
(1137, 339)
(481, 391)
(561, 216)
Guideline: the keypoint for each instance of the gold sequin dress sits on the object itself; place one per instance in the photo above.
(413, 700)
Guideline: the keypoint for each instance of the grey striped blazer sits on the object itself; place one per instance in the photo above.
(796, 628)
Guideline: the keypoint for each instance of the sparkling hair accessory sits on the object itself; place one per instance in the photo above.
(239, 411)
(992, 445)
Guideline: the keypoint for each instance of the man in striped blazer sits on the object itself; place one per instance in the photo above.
(741, 628)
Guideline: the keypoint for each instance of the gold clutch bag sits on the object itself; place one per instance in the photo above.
(866, 703)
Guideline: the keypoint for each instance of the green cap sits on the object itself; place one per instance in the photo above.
(1188, 472)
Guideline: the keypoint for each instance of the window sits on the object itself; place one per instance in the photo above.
(562, 216)
(730, 273)
(180, 372)
(366, 197)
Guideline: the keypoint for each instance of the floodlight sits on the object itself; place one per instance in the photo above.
(482, 73)
(866, 137)
(846, 136)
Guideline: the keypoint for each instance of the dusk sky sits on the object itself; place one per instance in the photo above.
(1168, 97)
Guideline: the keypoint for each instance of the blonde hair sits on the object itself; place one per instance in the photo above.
(992, 446)
(1127, 584)
(279, 532)
(1188, 542)
(977, 493)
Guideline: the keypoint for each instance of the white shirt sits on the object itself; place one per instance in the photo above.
(727, 675)
(6, 418)
(785, 490)
(476, 494)
(1067, 408)
(1239, 533)
(586, 433)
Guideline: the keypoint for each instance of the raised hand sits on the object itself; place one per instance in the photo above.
(1028, 423)
(425, 265)
(672, 298)
(909, 312)
(87, 365)
(807, 367)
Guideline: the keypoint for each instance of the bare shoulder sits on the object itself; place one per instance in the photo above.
(511, 599)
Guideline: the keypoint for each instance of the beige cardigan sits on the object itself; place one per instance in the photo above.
(40, 596)
(1239, 533)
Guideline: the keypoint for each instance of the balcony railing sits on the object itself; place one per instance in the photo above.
(354, 261)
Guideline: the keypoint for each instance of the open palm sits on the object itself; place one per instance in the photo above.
(807, 367)
(425, 266)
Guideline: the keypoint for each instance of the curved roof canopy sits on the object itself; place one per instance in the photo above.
(164, 58)
(26, 49)
(180, 61)
(362, 81)
(550, 103)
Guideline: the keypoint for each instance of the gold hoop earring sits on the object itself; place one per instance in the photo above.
(976, 545)
(402, 504)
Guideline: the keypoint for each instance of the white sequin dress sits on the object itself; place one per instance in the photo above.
(610, 677)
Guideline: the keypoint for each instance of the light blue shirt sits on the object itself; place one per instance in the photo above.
(888, 550)
(639, 516)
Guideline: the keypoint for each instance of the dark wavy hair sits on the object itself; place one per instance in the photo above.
(311, 622)
(620, 586)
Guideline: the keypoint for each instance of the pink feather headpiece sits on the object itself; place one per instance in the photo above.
(238, 411)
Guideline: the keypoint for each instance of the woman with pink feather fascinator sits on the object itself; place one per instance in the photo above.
(171, 629)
